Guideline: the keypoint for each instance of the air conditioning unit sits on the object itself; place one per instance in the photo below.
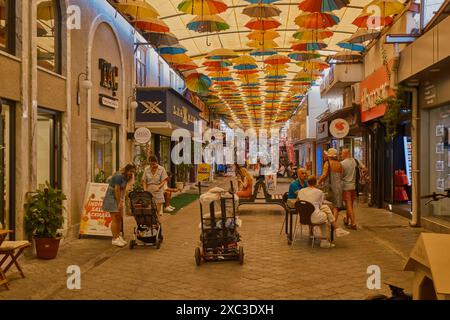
(356, 94)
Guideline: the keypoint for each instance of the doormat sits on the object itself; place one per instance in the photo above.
(182, 201)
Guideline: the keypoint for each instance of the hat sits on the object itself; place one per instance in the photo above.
(332, 153)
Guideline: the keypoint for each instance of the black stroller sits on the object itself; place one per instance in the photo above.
(219, 238)
(148, 229)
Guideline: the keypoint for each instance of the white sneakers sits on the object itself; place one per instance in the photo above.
(169, 209)
(341, 232)
(326, 244)
(119, 242)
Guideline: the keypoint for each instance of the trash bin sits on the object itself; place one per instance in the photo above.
(430, 262)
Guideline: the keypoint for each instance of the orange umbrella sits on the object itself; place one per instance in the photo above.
(137, 9)
(151, 25)
(316, 20)
(263, 24)
(366, 20)
(263, 35)
(268, 44)
(277, 59)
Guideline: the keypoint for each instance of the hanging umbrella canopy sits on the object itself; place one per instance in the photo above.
(303, 55)
(137, 9)
(217, 63)
(263, 24)
(277, 59)
(267, 44)
(322, 5)
(367, 21)
(314, 64)
(159, 39)
(262, 52)
(208, 23)
(177, 58)
(214, 69)
(261, 11)
(362, 35)
(222, 54)
(261, 1)
(263, 35)
(198, 82)
(346, 56)
(308, 46)
(245, 62)
(387, 7)
(246, 72)
(175, 49)
(186, 66)
(202, 7)
(151, 25)
(352, 46)
(312, 35)
(316, 20)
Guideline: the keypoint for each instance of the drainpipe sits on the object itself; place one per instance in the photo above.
(415, 138)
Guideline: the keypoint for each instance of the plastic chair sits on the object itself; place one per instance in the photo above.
(305, 210)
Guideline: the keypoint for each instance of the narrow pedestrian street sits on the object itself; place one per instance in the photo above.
(272, 269)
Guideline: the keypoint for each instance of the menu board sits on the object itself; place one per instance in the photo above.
(95, 221)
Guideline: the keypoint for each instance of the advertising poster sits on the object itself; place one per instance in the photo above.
(203, 172)
(94, 221)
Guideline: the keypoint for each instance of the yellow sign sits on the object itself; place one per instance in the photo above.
(203, 172)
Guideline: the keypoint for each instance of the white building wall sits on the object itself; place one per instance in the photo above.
(316, 106)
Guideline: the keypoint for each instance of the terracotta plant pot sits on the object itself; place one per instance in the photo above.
(47, 248)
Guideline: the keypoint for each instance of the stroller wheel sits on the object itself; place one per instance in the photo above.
(158, 243)
(241, 255)
(198, 256)
(132, 244)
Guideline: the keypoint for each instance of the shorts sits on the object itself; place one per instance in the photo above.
(349, 195)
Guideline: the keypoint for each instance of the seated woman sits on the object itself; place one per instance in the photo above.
(245, 183)
(168, 194)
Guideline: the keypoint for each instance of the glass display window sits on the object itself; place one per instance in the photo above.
(104, 151)
(48, 30)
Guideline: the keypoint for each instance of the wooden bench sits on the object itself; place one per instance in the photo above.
(12, 250)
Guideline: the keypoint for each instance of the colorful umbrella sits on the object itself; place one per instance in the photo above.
(198, 82)
(175, 49)
(246, 72)
(316, 20)
(312, 35)
(222, 54)
(263, 35)
(186, 66)
(263, 24)
(268, 44)
(202, 7)
(208, 23)
(387, 7)
(351, 46)
(137, 9)
(347, 56)
(261, 1)
(314, 64)
(368, 21)
(277, 59)
(308, 46)
(322, 5)
(151, 25)
(303, 55)
(362, 35)
(217, 63)
(262, 52)
(177, 58)
(245, 62)
(158, 39)
(261, 11)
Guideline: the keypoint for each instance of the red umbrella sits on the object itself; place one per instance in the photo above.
(277, 59)
(263, 24)
(366, 20)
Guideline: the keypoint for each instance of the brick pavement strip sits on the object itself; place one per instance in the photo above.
(272, 269)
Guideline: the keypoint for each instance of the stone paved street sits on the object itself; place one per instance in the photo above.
(272, 269)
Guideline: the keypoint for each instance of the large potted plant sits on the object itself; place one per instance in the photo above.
(43, 218)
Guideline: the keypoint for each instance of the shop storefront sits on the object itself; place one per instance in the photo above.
(104, 150)
(7, 162)
(163, 110)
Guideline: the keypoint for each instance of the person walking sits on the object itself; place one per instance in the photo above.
(154, 180)
(350, 168)
(332, 176)
(114, 201)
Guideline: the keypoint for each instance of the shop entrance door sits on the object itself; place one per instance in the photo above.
(7, 141)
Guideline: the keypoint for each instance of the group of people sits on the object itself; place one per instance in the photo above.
(155, 180)
(339, 178)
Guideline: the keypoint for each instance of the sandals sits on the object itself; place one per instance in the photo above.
(352, 226)
(346, 222)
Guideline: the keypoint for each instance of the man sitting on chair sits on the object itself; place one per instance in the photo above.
(323, 214)
(296, 186)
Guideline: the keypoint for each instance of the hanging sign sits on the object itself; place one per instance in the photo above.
(339, 128)
(95, 221)
(142, 135)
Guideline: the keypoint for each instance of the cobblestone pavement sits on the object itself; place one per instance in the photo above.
(272, 269)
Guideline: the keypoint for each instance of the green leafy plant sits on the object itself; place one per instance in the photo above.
(141, 160)
(100, 177)
(44, 212)
(394, 105)
(182, 170)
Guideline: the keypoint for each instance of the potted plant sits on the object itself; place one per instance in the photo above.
(181, 175)
(43, 218)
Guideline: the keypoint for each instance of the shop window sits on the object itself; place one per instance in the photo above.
(141, 67)
(7, 25)
(6, 165)
(48, 148)
(104, 151)
(160, 73)
(429, 10)
(48, 30)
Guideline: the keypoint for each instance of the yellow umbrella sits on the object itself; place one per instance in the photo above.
(202, 7)
(387, 7)
(268, 44)
(263, 35)
(314, 64)
(137, 9)
(222, 54)
(181, 58)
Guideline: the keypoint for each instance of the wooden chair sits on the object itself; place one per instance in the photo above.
(305, 210)
(13, 250)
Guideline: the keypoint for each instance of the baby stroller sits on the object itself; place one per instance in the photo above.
(148, 229)
(219, 235)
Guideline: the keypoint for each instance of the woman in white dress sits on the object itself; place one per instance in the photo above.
(154, 179)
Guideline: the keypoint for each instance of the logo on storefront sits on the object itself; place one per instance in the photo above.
(151, 107)
(109, 77)
(339, 128)
(184, 114)
(142, 135)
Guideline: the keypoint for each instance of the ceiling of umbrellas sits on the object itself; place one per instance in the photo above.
(253, 61)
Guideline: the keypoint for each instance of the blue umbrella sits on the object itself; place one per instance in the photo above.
(352, 46)
(275, 77)
(245, 67)
(260, 53)
(177, 49)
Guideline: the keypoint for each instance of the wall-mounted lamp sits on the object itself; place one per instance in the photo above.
(132, 103)
(85, 84)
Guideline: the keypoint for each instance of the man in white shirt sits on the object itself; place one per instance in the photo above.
(323, 214)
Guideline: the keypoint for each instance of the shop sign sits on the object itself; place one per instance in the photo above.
(95, 221)
(429, 94)
(203, 172)
(109, 78)
(339, 128)
(374, 87)
(142, 135)
(184, 114)
(109, 102)
(322, 130)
